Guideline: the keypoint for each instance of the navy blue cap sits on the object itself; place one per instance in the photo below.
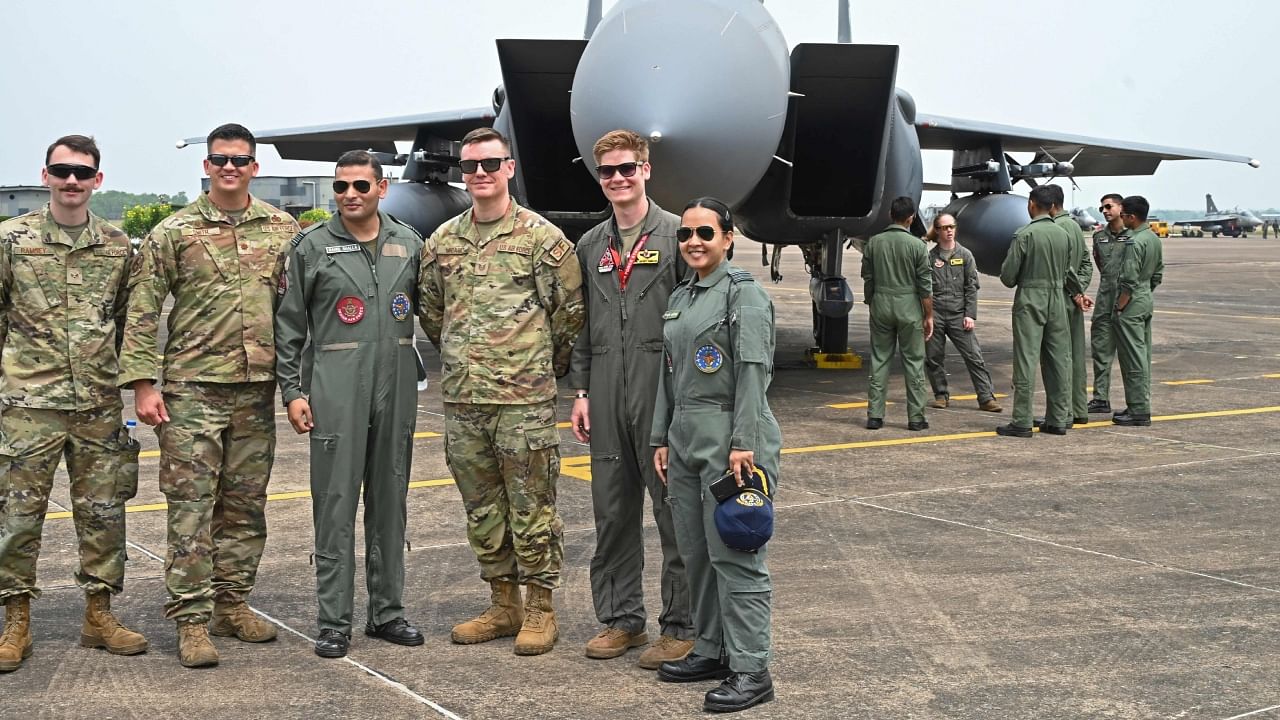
(745, 520)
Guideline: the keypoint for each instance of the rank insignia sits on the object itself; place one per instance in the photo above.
(708, 358)
(400, 306)
(350, 309)
(648, 257)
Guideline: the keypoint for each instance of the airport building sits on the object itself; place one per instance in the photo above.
(294, 195)
(18, 200)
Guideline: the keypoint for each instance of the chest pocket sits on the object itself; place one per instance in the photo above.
(200, 256)
(512, 260)
(33, 278)
(452, 257)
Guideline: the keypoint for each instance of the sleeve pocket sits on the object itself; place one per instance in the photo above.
(754, 342)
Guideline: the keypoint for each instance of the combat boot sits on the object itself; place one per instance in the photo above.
(194, 648)
(15, 643)
(102, 630)
(502, 618)
(539, 632)
(236, 618)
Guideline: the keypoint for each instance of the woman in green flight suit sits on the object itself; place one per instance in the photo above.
(712, 414)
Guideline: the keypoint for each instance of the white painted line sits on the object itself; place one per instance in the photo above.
(1255, 712)
(374, 673)
(1063, 546)
(144, 551)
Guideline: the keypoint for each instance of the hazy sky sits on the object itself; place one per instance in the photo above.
(139, 74)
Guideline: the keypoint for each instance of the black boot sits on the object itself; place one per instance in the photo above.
(397, 631)
(1129, 419)
(693, 668)
(332, 644)
(739, 692)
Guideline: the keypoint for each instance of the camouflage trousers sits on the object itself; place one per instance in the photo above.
(505, 460)
(102, 462)
(215, 459)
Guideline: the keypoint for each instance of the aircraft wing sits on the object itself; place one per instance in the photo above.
(1220, 219)
(1097, 156)
(327, 142)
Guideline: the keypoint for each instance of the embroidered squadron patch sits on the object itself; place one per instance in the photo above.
(350, 309)
(750, 499)
(606, 262)
(708, 358)
(400, 306)
(937, 263)
(282, 287)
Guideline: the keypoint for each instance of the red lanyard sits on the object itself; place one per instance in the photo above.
(624, 271)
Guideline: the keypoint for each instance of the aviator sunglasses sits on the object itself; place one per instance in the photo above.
(218, 159)
(489, 164)
(66, 170)
(626, 169)
(361, 186)
(1106, 207)
(706, 233)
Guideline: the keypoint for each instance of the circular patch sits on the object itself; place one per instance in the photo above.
(350, 309)
(750, 499)
(400, 306)
(938, 263)
(708, 358)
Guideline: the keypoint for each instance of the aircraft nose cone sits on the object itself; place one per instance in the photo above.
(705, 81)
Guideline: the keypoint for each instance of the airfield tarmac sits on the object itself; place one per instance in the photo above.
(1111, 573)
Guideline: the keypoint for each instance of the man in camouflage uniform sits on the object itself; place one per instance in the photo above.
(218, 258)
(500, 296)
(1081, 263)
(349, 284)
(62, 300)
(1108, 253)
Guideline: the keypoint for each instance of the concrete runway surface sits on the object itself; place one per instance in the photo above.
(1111, 573)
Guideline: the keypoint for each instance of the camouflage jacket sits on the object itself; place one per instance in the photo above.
(223, 278)
(504, 312)
(61, 309)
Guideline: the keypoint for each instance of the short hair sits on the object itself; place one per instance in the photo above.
(1112, 196)
(901, 208)
(1042, 197)
(485, 134)
(1137, 206)
(77, 143)
(232, 131)
(1056, 194)
(361, 158)
(724, 216)
(622, 140)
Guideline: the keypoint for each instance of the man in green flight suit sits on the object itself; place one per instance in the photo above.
(63, 292)
(352, 281)
(1038, 265)
(500, 296)
(1108, 253)
(1141, 272)
(633, 262)
(898, 285)
(1083, 267)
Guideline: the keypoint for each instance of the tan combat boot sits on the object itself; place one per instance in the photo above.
(236, 619)
(194, 648)
(102, 630)
(502, 618)
(990, 406)
(667, 649)
(539, 632)
(15, 643)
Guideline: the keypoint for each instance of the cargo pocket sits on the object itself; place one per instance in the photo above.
(324, 451)
(544, 458)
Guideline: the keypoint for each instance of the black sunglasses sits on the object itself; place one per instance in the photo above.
(66, 170)
(361, 186)
(705, 232)
(1106, 207)
(489, 164)
(218, 159)
(627, 169)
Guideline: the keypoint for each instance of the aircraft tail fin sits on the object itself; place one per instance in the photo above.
(593, 18)
(1209, 207)
(843, 35)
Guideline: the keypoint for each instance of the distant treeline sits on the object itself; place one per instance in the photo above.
(112, 203)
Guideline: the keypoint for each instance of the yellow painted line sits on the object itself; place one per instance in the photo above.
(149, 453)
(563, 425)
(853, 405)
(426, 434)
(1273, 376)
(1187, 382)
(579, 466)
(975, 397)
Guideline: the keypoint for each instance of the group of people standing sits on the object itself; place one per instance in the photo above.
(668, 348)
(921, 297)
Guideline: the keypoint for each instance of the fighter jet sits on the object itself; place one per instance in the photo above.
(1084, 219)
(1233, 223)
(809, 144)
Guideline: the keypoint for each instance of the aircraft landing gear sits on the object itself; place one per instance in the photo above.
(832, 300)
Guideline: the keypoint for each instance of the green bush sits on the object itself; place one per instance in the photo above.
(313, 216)
(139, 219)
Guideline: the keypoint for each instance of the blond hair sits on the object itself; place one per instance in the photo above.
(622, 140)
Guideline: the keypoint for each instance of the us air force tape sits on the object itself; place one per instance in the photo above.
(744, 518)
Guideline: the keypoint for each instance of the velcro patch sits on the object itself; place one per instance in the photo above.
(514, 248)
(390, 250)
(111, 251)
(27, 250)
(335, 249)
